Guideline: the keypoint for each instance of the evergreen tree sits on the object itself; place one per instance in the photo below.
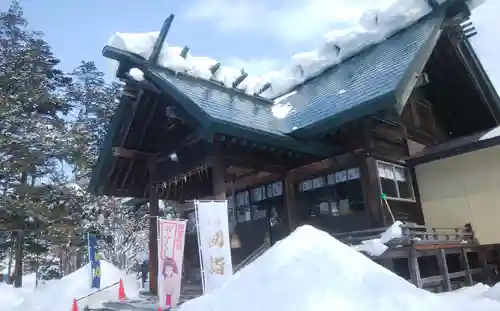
(95, 102)
(32, 127)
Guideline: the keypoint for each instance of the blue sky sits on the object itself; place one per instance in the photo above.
(258, 35)
(220, 29)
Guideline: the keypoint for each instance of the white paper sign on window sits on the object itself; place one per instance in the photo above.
(277, 188)
(400, 174)
(330, 179)
(257, 194)
(381, 171)
(353, 173)
(318, 182)
(389, 173)
(340, 176)
(306, 185)
(242, 198)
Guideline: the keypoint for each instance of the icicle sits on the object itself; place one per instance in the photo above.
(240, 79)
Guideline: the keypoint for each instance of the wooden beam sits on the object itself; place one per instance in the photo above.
(339, 161)
(414, 269)
(253, 163)
(465, 261)
(218, 171)
(131, 154)
(291, 202)
(443, 268)
(372, 192)
(151, 103)
(483, 260)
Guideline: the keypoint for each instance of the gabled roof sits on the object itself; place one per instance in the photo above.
(368, 82)
(376, 79)
(371, 81)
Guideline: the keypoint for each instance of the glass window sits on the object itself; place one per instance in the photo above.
(275, 189)
(395, 181)
(258, 194)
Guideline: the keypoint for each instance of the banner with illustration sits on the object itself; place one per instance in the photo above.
(214, 243)
(171, 236)
(95, 264)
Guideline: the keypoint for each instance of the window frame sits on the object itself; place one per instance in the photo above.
(410, 180)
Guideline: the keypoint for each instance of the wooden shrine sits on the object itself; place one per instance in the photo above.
(327, 164)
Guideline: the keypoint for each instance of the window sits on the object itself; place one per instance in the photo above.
(275, 189)
(335, 194)
(258, 194)
(395, 181)
(243, 207)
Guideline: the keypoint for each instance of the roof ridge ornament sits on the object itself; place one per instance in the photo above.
(160, 41)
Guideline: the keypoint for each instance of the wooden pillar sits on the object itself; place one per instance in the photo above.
(154, 212)
(414, 268)
(218, 172)
(443, 269)
(483, 260)
(465, 260)
(371, 192)
(291, 202)
(369, 179)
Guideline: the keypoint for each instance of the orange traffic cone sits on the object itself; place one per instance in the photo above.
(121, 291)
(75, 305)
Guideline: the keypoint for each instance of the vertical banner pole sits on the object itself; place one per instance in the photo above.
(202, 269)
(90, 260)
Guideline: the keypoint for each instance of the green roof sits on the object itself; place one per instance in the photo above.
(360, 86)
(369, 82)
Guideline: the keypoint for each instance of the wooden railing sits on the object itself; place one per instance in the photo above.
(413, 234)
(250, 258)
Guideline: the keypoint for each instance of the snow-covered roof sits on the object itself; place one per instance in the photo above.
(375, 26)
(374, 79)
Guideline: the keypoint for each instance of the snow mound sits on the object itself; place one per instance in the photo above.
(374, 26)
(492, 292)
(57, 295)
(310, 270)
(12, 297)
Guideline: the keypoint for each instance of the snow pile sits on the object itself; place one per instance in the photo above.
(492, 292)
(57, 295)
(376, 247)
(12, 297)
(374, 26)
(475, 291)
(310, 270)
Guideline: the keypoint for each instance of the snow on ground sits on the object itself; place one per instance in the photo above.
(374, 26)
(310, 270)
(57, 295)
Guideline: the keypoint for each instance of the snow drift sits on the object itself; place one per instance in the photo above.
(374, 26)
(310, 270)
(57, 295)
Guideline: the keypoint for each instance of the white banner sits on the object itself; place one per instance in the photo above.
(214, 243)
(171, 234)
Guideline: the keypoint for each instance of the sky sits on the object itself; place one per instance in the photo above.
(258, 35)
